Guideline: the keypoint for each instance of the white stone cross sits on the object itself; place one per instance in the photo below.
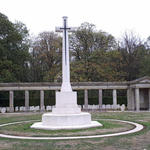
(66, 86)
(66, 114)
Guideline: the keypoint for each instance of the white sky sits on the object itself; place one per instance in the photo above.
(112, 16)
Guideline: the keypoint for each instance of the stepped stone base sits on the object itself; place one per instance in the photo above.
(66, 115)
(52, 121)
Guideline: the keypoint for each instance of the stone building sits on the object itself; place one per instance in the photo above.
(139, 94)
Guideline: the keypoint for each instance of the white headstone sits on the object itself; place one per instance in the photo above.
(122, 107)
(3, 110)
(108, 106)
(48, 108)
(21, 108)
(103, 106)
(37, 108)
(118, 106)
(16, 108)
(32, 108)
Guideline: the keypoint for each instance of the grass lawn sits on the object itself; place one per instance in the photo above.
(136, 141)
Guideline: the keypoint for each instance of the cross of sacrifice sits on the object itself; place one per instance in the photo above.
(65, 55)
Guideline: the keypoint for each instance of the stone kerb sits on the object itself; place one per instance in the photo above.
(137, 128)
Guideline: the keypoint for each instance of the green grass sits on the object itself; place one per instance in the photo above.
(136, 141)
(24, 129)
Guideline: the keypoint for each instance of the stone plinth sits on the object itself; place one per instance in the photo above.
(66, 103)
(66, 119)
(66, 115)
(52, 121)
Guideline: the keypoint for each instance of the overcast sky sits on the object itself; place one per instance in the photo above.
(112, 16)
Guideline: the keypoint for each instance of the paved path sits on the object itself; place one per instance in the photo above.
(138, 127)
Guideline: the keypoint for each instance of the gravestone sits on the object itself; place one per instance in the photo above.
(122, 107)
(3, 110)
(103, 106)
(16, 108)
(31, 108)
(66, 114)
(37, 108)
(48, 108)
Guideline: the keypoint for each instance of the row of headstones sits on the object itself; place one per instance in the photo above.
(49, 108)
(105, 107)
(22, 108)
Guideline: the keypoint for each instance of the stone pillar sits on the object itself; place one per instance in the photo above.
(114, 98)
(86, 99)
(137, 99)
(26, 100)
(100, 97)
(133, 98)
(11, 101)
(130, 99)
(42, 107)
(149, 98)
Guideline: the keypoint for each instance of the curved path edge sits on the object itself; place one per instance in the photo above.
(138, 127)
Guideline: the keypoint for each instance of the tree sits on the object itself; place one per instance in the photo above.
(133, 51)
(108, 66)
(84, 42)
(47, 56)
(14, 50)
(145, 62)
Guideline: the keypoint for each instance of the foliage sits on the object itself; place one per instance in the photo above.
(46, 57)
(14, 46)
(95, 55)
(133, 51)
(145, 66)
